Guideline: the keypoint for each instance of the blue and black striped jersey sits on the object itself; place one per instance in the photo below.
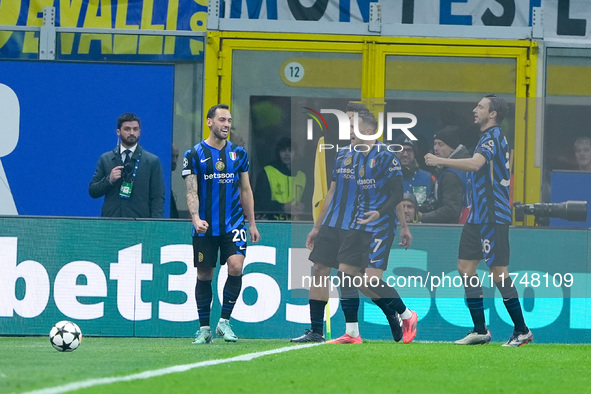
(375, 171)
(342, 206)
(489, 186)
(218, 180)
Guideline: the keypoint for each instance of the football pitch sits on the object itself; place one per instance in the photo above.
(175, 365)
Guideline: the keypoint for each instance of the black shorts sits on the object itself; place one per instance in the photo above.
(326, 246)
(488, 241)
(363, 249)
(205, 249)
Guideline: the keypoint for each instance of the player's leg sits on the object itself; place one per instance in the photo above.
(395, 322)
(232, 253)
(378, 263)
(204, 259)
(469, 255)
(354, 258)
(349, 298)
(317, 302)
(497, 257)
(323, 255)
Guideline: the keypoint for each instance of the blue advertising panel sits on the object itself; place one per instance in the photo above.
(570, 185)
(67, 117)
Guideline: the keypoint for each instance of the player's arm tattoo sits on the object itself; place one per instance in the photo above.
(192, 195)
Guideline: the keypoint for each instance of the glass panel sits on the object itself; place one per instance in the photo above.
(267, 88)
(567, 136)
(442, 92)
(441, 76)
(187, 129)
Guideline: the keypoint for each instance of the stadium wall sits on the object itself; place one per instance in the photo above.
(135, 278)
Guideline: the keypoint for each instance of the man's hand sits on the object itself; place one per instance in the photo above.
(370, 216)
(311, 238)
(432, 160)
(201, 226)
(115, 174)
(255, 236)
(405, 237)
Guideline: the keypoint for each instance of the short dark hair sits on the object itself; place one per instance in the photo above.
(127, 117)
(581, 139)
(410, 197)
(212, 110)
(499, 105)
(285, 143)
(364, 113)
(356, 107)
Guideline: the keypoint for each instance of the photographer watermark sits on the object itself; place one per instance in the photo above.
(437, 281)
(344, 124)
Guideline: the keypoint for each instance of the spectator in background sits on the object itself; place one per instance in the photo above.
(415, 180)
(129, 177)
(409, 204)
(583, 153)
(279, 188)
(449, 196)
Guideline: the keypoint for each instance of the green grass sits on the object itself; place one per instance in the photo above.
(30, 363)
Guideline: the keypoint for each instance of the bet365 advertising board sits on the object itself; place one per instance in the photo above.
(136, 278)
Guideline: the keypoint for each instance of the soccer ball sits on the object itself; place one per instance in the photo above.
(65, 336)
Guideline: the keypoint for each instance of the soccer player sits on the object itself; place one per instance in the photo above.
(486, 232)
(218, 197)
(379, 193)
(325, 239)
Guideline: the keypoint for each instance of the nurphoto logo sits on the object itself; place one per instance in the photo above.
(392, 124)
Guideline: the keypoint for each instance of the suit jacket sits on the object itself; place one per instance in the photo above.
(147, 196)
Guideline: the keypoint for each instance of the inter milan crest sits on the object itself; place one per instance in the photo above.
(200, 257)
(348, 161)
(220, 166)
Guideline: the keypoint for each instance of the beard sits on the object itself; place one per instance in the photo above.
(222, 135)
(129, 140)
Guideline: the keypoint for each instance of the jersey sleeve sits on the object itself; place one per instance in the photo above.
(335, 167)
(487, 146)
(189, 160)
(244, 162)
(394, 167)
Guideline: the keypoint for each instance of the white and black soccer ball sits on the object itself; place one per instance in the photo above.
(65, 336)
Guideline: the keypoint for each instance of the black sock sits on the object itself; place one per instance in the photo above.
(349, 299)
(475, 302)
(512, 304)
(203, 296)
(391, 321)
(231, 293)
(317, 315)
(388, 299)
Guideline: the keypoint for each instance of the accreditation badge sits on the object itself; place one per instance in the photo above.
(420, 193)
(125, 190)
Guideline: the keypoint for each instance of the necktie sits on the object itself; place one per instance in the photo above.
(127, 156)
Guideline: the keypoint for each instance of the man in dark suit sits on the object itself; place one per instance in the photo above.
(129, 177)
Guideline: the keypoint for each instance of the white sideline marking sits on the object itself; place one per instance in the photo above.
(164, 371)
